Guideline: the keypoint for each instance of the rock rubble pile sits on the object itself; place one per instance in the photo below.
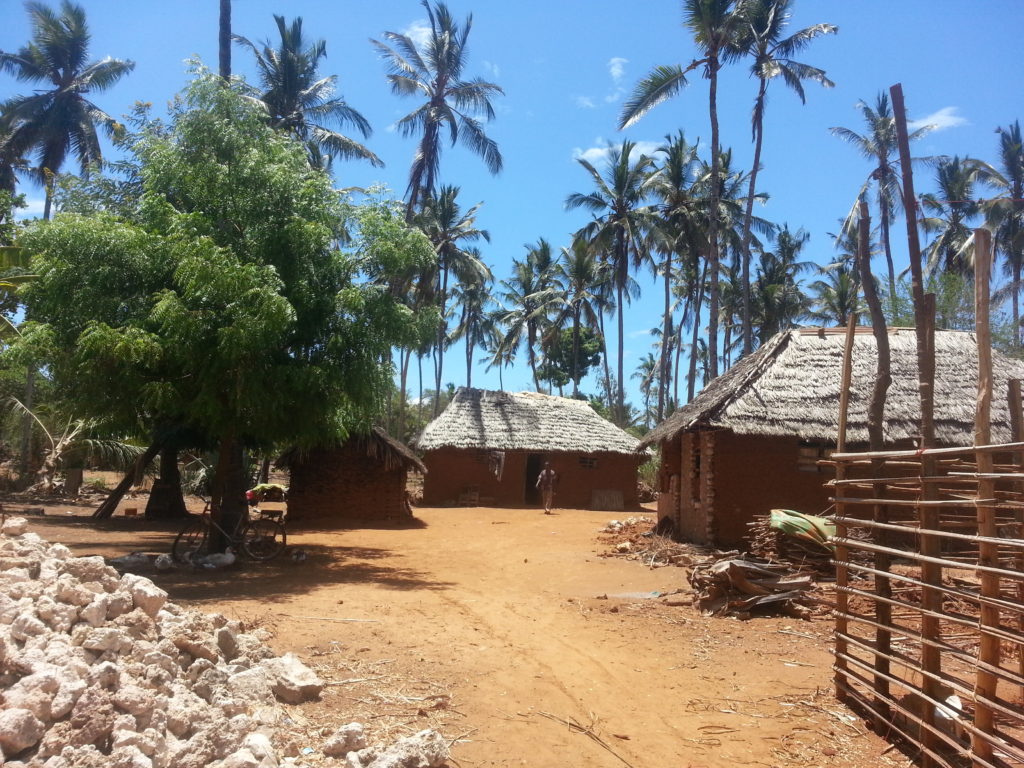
(99, 670)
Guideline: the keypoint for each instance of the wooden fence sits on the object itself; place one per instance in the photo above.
(929, 635)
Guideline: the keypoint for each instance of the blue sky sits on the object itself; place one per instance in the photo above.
(565, 67)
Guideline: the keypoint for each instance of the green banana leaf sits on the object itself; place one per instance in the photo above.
(808, 528)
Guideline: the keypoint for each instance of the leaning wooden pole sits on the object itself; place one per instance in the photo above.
(1016, 404)
(988, 553)
(876, 441)
(842, 552)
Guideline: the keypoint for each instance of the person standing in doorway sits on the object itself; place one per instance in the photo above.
(547, 481)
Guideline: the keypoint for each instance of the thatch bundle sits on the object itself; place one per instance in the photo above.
(523, 421)
(791, 387)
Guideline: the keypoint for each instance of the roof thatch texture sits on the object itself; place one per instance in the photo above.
(523, 421)
(790, 387)
(377, 443)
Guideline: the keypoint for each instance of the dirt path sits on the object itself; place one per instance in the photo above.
(492, 625)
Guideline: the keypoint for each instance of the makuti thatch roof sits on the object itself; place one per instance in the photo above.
(377, 444)
(790, 387)
(523, 421)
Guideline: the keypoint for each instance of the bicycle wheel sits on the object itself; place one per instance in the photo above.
(192, 542)
(263, 539)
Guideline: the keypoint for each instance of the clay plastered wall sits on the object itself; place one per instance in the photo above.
(345, 486)
(756, 474)
(452, 472)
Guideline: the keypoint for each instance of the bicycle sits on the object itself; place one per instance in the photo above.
(261, 538)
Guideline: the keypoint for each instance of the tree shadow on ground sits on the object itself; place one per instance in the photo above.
(272, 582)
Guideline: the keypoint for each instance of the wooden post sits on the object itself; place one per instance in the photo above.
(842, 552)
(1016, 435)
(988, 553)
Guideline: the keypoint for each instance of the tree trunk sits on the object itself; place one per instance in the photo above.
(604, 355)
(26, 424)
(228, 504)
(748, 216)
(713, 66)
(883, 376)
(692, 377)
(620, 405)
(575, 352)
(665, 331)
(470, 343)
(442, 332)
(884, 226)
(224, 39)
(109, 505)
(1016, 306)
(166, 501)
(403, 395)
(264, 475)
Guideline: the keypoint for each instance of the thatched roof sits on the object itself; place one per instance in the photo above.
(790, 387)
(377, 443)
(523, 421)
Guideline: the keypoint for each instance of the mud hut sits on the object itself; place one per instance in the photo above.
(751, 440)
(488, 447)
(360, 480)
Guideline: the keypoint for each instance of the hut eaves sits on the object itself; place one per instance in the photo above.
(790, 387)
(523, 421)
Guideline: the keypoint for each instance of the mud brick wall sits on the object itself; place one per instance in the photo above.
(344, 486)
(755, 474)
(451, 472)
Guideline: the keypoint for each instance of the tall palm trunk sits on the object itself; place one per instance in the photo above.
(748, 216)
(224, 39)
(575, 351)
(692, 375)
(713, 66)
(620, 394)
(442, 329)
(1016, 305)
(665, 332)
(883, 218)
(470, 343)
(403, 396)
(604, 356)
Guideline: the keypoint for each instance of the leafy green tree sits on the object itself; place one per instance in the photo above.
(435, 71)
(621, 220)
(233, 312)
(528, 298)
(715, 26)
(570, 356)
(53, 122)
(301, 102)
(763, 38)
(951, 212)
(582, 278)
(780, 302)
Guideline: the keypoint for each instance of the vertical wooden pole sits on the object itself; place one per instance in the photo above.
(842, 552)
(988, 553)
(1016, 436)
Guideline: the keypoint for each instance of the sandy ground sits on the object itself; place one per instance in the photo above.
(509, 632)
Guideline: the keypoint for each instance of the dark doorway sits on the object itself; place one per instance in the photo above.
(534, 462)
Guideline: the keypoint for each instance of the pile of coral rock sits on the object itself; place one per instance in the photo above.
(98, 669)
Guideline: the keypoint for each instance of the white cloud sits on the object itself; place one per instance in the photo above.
(599, 153)
(418, 32)
(491, 68)
(616, 67)
(584, 102)
(940, 119)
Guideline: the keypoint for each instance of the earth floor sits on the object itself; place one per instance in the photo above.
(508, 630)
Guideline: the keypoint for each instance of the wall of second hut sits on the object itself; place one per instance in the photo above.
(753, 475)
(457, 476)
(344, 486)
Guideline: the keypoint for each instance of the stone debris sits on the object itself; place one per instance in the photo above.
(99, 669)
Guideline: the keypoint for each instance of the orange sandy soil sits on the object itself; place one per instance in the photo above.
(490, 624)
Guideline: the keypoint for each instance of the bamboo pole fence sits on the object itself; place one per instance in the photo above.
(936, 659)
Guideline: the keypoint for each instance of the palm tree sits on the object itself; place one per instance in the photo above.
(950, 213)
(878, 144)
(582, 277)
(780, 301)
(528, 298)
(224, 40)
(1005, 213)
(435, 71)
(762, 39)
(647, 373)
(473, 298)
(448, 228)
(715, 25)
(620, 221)
(298, 101)
(835, 296)
(58, 120)
(682, 231)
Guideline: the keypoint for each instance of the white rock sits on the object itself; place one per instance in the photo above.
(87, 569)
(426, 749)
(19, 729)
(26, 626)
(15, 526)
(105, 639)
(243, 758)
(291, 680)
(128, 757)
(71, 592)
(348, 738)
(146, 595)
(259, 745)
(95, 613)
(70, 690)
